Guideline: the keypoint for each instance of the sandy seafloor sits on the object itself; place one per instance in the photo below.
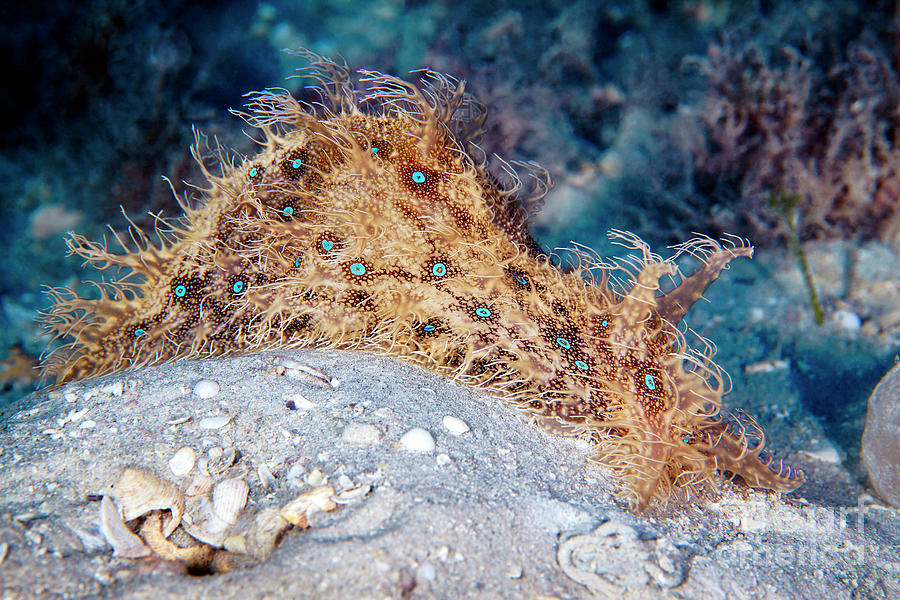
(512, 513)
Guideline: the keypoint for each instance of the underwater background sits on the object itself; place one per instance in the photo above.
(774, 121)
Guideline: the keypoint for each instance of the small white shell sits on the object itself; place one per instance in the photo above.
(417, 440)
(214, 422)
(206, 388)
(125, 544)
(182, 462)
(229, 499)
(454, 425)
(321, 498)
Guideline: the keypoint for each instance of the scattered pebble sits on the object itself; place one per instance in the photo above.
(182, 462)
(70, 396)
(215, 422)
(846, 319)
(206, 388)
(353, 495)
(767, 366)
(89, 424)
(454, 425)
(361, 434)
(417, 440)
(443, 459)
(179, 419)
(114, 389)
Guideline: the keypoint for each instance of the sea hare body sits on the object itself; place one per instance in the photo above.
(371, 222)
(881, 437)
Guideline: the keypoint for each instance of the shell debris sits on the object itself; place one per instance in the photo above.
(229, 499)
(125, 544)
(140, 491)
(297, 511)
(182, 462)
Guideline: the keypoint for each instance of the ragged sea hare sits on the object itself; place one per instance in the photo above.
(371, 221)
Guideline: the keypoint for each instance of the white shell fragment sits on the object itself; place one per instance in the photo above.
(200, 484)
(229, 499)
(297, 510)
(353, 494)
(298, 370)
(266, 479)
(361, 434)
(454, 425)
(182, 462)
(417, 440)
(125, 544)
(301, 402)
(140, 491)
(206, 388)
(214, 422)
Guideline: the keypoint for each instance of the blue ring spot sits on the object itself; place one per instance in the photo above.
(374, 150)
(429, 328)
(180, 291)
(418, 177)
(520, 279)
(482, 312)
(358, 268)
(254, 172)
(439, 269)
(650, 382)
(288, 210)
(563, 342)
(138, 332)
(581, 365)
(297, 163)
(238, 286)
(327, 245)
(604, 323)
(686, 439)
(297, 261)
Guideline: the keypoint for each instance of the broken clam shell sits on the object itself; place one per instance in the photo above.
(140, 491)
(125, 544)
(230, 498)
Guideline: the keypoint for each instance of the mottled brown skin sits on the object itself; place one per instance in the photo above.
(378, 229)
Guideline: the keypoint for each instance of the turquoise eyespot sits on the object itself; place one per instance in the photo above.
(254, 172)
(237, 287)
(429, 328)
(327, 245)
(439, 269)
(297, 163)
(482, 312)
(563, 342)
(650, 382)
(288, 210)
(180, 291)
(358, 268)
(418, 177)
(581, 365)
(138, 332)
